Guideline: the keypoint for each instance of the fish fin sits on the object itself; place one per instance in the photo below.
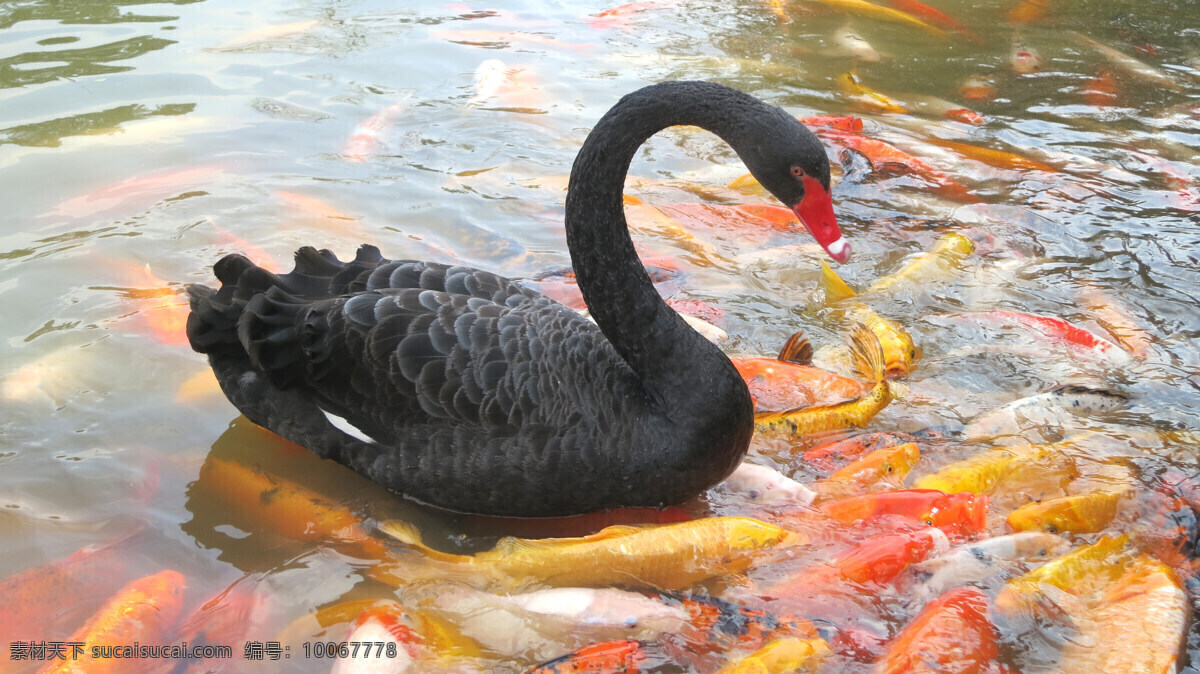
(408, 534)
(797, 350)
(868, 352)
(833, 286)
(1117, 399)
(747, 184)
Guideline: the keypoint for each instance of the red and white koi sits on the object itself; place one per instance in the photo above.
(619, 16)
(1078, 340)
(1025, 60)
(982, 561)
(368, 134)
(391, 639)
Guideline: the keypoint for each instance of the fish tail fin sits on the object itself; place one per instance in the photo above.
(408, 534)
(833, 286)
(797, 350)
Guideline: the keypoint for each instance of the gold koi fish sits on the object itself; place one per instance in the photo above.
(900, 353)
(1072, 572)
(671, 556)
(868, 353)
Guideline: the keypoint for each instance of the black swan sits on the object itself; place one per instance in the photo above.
(461, 389)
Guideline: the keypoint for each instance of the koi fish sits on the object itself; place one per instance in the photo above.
(1100, 90)
(1053, 328)
(225, 619)
(1102, 561)
(392, 642)
(874, 563)
(868, 353)
(540, 624)
(767, 486)
(33, 602)
(868, 9)
(503, 38)
(782, 656)
(489, 78)
(284, 507)
(626, 655)
(981, 561)
(1078, 513)
(949, 250)
(846, 124)
(980, 473)
(854, 90)
(328, 216)
(1127, 63)
(138, 190)
(979, 88)
(828, 456)
(142, 611)
(1038, 411)
(952, 633)
(997, 158)
(268, 34)
(667, 556)
(1149, 601)
(847, 42)
(368, 134)
(900, 353)
(886, 156)
(777, 384)
(937, 18)
(1186, 198)
(199, 387)
(618, 17)
(1025, 60)
(885, 467)
(1115, 319)
(722, 625)
(1028, 11)
(963, 513)
(235, 243)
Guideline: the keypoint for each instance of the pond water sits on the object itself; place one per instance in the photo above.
(140, 141)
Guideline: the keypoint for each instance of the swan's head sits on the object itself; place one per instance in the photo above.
(792, 165)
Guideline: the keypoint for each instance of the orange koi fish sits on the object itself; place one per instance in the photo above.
(137, 192)
(143, 612)
(202, 386)
(383, 638)
(667, 556)
(806, 420)
(952, 633)
(854, 90)
(869, 9)
(1101, 90)
(34, 603)
(1079, 513)
(780, 385)
(978, 88)
(368, 134)
(874, 563)
(885, 155)
(326, 217)
(284, 507)
(1148, 600)
(848, 124)
(963, 513)
(937, 18)
(884, 468)
(613, 657)
(619, 16)
(162, 313)
(234, 242)
(722, 625)
(790, 655)
(1114, 318)
(997, 158)
(1028, 11)
(830, 455)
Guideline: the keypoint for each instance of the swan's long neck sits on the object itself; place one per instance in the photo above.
(672, 359)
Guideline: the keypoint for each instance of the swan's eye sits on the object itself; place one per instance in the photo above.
(798, 172)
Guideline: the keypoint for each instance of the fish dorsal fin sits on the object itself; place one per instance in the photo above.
(746, 184)
(408, 534)
(797, 350)
(833, 286)
(511, 544)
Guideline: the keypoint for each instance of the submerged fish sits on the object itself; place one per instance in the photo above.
(767, 486)
(1024, 59)
(992, 157)
(981, 561)
(1053, 329)
(667, 556)
(1127, 63)
(847, 42)
(953, 633)
(1139, 625)
(1054, 407)
(143, 611)
(720, 625)
(962, 513)
(859, 93)
(368, 134)
(782, 656)
(981, 472)
(881, 469)
(625, 655)
(828, 456)
(857, 412)
(383, 639)
(1116, 319)
(871, 10)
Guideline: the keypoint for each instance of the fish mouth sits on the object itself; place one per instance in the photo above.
(815, 212)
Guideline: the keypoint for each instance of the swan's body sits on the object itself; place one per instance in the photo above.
(461, 389)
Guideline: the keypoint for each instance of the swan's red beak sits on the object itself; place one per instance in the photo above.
(815, 211)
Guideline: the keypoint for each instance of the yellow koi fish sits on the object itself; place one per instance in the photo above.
(856, 91)
(947, 252)
(671, 556)
(1077, 513)
(900, 353)
(863, 8)
(980, 473)
(1148, 604)
(888, 465)
(1072, 572)
(868, 353)
(782, 655)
